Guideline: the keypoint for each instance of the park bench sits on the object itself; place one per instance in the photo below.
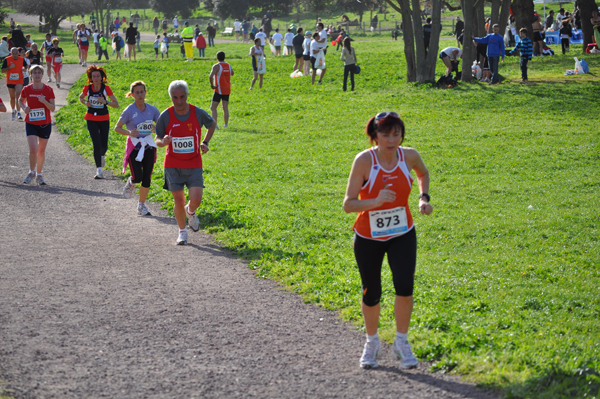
(228, 31)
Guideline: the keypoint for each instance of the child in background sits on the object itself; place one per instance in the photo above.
(526, 49)
(566, 31)
(156, 44)
(200, 44)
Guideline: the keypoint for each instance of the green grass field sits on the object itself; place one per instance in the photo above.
(508, 275)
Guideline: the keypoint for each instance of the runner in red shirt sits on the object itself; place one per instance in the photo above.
(56, 56)
(37, 101)
(222, 73)
(179, 128)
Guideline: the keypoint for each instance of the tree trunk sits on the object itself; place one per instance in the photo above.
(403, 7)
(428, 64)
(469, 16)
(495, 15)
(585, 8)
(524, 18)
(479, 21)
(503, 19)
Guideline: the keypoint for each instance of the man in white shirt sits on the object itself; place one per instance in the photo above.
(322, 37)
(237, 26)
(288, 40)
(277, 38)
(96, 43)
(262, 36)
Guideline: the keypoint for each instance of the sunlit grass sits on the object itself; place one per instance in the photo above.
(507, 285)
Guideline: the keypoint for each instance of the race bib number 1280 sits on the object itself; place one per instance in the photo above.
(145, 128)
(183, 145)
(388, 222)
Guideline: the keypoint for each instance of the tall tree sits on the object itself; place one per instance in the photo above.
(524, 16)
(182, 8)
(53, 11)
(230, 8)
(585, 9)
(419, 68)
(316, 6)
(102, 9)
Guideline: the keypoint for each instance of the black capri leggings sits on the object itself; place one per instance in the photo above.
(99, 134)
(142, 171)
(402, 257)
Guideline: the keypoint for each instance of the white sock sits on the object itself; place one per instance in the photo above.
(371, 338)
(99, 170)
(187, 210)
(39, 174)
(140, 203)
(402, 337)
(182, 230)
(32, 172)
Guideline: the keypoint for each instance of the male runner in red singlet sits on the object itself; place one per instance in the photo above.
(179, 128)
(222, 73)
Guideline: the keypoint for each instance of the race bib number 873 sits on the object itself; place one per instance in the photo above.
(183, 145)
(388, 222)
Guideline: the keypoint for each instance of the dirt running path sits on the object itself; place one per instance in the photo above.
(96, 301)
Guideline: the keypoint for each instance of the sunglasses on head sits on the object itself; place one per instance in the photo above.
(380, 117)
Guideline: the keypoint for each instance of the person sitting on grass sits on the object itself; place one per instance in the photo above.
(525, 47)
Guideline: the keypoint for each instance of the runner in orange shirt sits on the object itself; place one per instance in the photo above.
(222, 73)
(12, 66)
(378, 190)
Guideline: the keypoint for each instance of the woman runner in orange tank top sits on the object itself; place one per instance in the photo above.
(378, 190)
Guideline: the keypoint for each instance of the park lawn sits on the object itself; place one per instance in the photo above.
(508, 272)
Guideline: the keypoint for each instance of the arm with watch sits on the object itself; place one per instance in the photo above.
(414, 161)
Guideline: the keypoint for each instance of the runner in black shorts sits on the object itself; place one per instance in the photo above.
(378, 190)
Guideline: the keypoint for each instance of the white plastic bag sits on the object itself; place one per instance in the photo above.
(285, 52)
(578, 66)
(296, 74)
(476, 70)
(126, 51)
(261, 66)
(272, 49)
(320, 60)
(163, 48)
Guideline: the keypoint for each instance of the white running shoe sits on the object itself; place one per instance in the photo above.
(58, 84)
(129, 189)
(28, 178)
(143, 211)
(19, 117)
(182, 239)
(49, 80)
(193, 220)
(99, 175)
(405, 355)
(84, 64)
(14, 115)
(368, 359)
(40, 180)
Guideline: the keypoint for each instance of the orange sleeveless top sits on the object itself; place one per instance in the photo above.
(392, 219)
(223, 79)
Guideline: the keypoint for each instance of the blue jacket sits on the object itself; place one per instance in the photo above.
(495, 44)
(525, 48)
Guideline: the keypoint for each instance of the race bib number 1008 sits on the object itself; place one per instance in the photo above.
(388, 222)
(183, 145)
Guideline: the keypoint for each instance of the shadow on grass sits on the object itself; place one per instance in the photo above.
(555, 382)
